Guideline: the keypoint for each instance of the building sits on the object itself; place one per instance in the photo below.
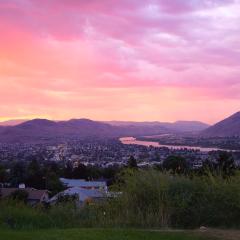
(83, 195)
(86, 191)
(81, 183)
(34, 196)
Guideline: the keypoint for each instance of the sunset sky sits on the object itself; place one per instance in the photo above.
(120, 59)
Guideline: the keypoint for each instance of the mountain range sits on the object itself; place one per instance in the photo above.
(178, 126)
(42, 130)
(13, 122)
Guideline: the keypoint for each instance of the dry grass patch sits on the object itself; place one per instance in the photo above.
(221, 234)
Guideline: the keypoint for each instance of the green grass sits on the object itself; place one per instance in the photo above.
(99, 234)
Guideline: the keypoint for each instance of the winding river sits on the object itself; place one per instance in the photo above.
(132, 140)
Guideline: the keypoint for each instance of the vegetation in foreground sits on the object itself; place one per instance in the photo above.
(171, 196)
(104, 234)
(147, 199)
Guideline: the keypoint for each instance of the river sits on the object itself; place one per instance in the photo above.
(132, 140)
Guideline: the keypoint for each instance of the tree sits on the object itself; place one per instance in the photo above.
(132, 162)
(176, 164)
(80, 172)
(52, 183)
(18, 173)
(207, 167)
(3, 174)
(54, 167)
(111, 172)
(93, 172)
(35, 177)
(68, 171)
(19, 195)
(225, 164)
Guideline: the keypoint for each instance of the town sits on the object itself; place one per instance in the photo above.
(101, 153)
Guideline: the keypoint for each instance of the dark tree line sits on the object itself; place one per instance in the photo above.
(45, 175)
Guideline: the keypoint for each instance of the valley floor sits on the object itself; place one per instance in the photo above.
(117, 234)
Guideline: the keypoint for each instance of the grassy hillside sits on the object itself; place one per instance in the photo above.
(94, 234)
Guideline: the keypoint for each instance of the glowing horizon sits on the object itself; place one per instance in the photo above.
(132, 60)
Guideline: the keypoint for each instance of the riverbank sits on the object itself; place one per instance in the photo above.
(135, 141)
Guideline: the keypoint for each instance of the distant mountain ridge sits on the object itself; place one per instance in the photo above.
(228, 127)
(179, 126)
(13, 122)
(43, 130)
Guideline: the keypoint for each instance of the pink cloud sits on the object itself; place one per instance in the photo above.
(53, 52)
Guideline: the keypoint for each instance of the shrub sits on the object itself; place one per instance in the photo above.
(19, 195)
(154, 199)
(149, 199)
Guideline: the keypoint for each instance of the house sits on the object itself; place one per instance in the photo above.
(86, 191)
(34, 196)
(81, 183)
(83, 195)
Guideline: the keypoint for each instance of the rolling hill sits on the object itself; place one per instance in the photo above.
(13, 122)
(178, 126)
(226, 128)
(42, 130)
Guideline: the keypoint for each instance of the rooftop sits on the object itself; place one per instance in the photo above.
(82, 183)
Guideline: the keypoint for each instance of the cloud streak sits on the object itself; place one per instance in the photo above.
(116, 59)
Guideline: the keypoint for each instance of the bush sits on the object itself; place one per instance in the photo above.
(19, 195)
(17, 215)
(149, 199)
(153, 199)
